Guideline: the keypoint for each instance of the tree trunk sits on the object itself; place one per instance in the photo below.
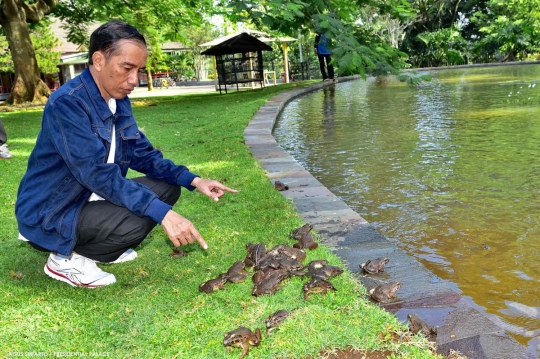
(28, 86)
(150, 80)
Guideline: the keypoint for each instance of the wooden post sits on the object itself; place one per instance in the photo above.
(285, 62)
(251, 73)
(215, 72)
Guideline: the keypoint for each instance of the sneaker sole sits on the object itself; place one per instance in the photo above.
(58, 276)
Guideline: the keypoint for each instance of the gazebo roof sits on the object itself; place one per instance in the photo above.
(262, 36)
(242, 42)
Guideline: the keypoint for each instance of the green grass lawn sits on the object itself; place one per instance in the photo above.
(155, 309)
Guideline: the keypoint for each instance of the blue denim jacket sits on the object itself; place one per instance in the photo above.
(68, 163)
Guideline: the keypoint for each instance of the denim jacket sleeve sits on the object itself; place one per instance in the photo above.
(82, 139)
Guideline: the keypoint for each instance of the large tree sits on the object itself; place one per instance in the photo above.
(14, 16)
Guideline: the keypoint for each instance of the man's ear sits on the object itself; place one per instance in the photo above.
(98, 60)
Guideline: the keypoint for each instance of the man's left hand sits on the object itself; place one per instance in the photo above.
(212, 188)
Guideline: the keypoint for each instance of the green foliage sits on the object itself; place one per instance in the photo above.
(181, 64)
(490, 30)
(191, 63)
(6, 62)
(157, 60)
(510, 29)
(44, 42)
(443, 47)
(436, 23)
(414, 78)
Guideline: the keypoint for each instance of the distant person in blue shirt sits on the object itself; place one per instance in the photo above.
(321, 43)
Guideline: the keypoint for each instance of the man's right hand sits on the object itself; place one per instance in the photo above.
(180, 230)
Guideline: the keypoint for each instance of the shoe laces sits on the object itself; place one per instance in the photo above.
(85, 262)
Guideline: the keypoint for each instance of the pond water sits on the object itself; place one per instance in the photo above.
(450, 169)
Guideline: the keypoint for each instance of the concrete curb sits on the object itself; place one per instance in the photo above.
(489, 64)
(460, 326)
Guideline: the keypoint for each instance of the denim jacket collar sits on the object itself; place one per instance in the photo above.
(123, 107)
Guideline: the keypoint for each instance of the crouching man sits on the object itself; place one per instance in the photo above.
(75, 200)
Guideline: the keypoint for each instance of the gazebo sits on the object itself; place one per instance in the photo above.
(239, 60)
(256, 38)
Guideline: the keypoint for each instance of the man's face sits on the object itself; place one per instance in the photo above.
(118, 76)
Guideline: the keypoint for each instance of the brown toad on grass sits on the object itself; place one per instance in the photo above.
(275, 319)
(213, 284)
(317, 285)
(242, 338)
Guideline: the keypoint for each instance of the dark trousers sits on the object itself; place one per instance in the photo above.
(322, 59)
(105, 231)
(3, 134)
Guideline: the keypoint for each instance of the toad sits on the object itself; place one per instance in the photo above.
(267, 261)
(287, 251)
(374, 266)
(306, 241)
(237, 273)
(254, 254)
(288, 264)
(299, 232)
(260, 275)
(317, 285)
(274, 320)
(177, 253)
(385, 292)
(280, 186)
(213, 284)
(242, 338)
(270, 284)
(316, 264)
(417, 324)
(326, 272)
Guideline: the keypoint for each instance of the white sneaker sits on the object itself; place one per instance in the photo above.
(4, 152)
(127, 256)
(22, 238)
(77, 271)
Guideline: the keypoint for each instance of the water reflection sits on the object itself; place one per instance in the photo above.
(451, 170)
(328, 110)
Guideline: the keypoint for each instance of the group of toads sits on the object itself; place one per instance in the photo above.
(272, 267)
